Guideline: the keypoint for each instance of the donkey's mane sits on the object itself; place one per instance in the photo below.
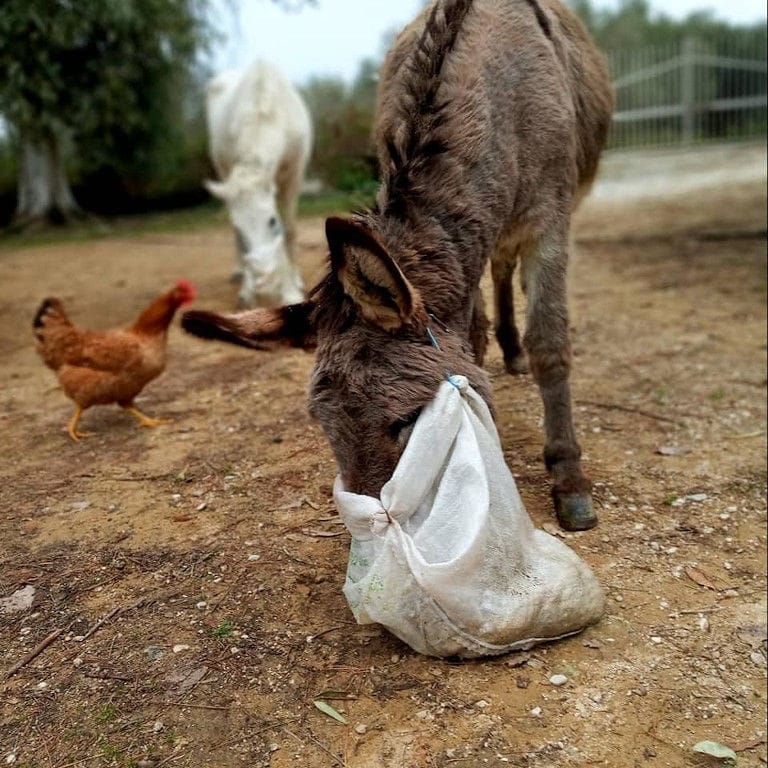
(416, 140)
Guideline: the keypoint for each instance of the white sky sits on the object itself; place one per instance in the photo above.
(332, 38)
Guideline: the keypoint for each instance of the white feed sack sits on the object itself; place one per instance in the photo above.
(448, 559)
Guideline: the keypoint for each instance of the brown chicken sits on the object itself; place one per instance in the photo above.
(113, 366)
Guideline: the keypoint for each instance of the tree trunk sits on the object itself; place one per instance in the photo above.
(44, 194)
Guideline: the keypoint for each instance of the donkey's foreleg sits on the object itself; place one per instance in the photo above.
(548, 345)
(288, 189)
(503, 265)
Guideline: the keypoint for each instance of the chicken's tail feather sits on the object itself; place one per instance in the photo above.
(51, 310)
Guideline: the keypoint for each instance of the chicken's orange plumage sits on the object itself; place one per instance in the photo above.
(102, 367)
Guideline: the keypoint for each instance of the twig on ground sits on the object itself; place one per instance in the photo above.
(81, 760)
(630, 409)
(322, 746)
(694, 611)
(104, 675)
(324, 632)
(746, 435)
(36, 651)
(191, 706)
(100, 623)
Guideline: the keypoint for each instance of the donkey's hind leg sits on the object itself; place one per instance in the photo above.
(478, 329)
(547, 342)
(503, 265)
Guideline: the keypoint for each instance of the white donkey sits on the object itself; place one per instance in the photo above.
(260, 138)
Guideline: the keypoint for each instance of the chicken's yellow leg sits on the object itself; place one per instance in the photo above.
(142, 418)
(72, 426)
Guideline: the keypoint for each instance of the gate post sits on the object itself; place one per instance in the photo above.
(688, 89)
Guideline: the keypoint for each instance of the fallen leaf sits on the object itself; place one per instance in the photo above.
(187, 682)
(744, 746)
(720, 751)
(327, 709)
(336, 695)
(672, 450)
(753, 635)
(518, 660)
(701, 578)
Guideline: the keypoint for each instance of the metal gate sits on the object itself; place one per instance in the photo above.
(690, 92)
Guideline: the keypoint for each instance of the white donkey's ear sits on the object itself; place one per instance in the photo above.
(217, 189)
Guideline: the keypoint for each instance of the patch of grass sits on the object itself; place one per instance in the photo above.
(669, 498)
(223, 630)
(210, 214)
(110, 751)
(94, 228)
(327, 203)
(106, 714)
(717, 395)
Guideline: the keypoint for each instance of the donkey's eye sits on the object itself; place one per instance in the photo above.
(274, 225)
(403, 427)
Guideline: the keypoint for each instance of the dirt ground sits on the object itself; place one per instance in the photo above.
(195, 570)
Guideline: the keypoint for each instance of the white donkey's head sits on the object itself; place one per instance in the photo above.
(269, 278)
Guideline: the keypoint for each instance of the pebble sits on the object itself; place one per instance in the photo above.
(158, 726)
(202, 605)
(41, 686)
(253, 558)
(10, 758)
(558, 680)
(180, 647)
(536, 712)
(361, 728)
(81, 506)
(77, 662)
(482, 704)
(20, 600)
(154, 652)
(656, 640)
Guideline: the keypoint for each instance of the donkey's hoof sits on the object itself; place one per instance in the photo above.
(575, 512)
(517, 365)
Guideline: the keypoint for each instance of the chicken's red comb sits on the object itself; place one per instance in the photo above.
(189, 290)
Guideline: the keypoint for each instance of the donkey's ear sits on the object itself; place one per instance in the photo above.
(258, 329)
(218, 189)
(370, 276)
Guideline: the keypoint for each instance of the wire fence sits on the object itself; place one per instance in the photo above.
(688, 92)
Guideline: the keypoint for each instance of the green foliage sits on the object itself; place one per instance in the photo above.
(223, 629)
(106, 714)
(115, 84)
(633, 25)
(343, 115)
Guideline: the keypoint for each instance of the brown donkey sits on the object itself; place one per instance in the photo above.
(491, 118)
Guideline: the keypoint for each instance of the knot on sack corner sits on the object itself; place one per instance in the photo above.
(380, 521)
